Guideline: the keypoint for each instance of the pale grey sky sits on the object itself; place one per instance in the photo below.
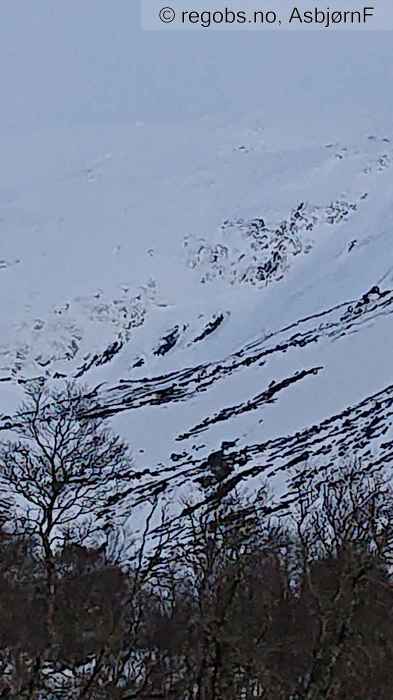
(71, 62)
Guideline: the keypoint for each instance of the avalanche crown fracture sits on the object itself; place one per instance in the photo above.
(328, 17)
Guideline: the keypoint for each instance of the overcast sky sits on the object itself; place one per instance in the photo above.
(70, 62)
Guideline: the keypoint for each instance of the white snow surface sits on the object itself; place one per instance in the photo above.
(212, 245)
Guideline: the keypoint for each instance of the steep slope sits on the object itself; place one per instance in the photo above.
(268, 332)
(208, 242)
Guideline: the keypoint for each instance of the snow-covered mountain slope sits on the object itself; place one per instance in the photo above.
(244, 300)
(226, 281)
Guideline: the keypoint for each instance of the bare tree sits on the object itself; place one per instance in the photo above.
(234, 605)
(62, 473)
(228, 572)
(344, 528)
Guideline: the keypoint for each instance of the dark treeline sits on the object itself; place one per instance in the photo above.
(240, 606)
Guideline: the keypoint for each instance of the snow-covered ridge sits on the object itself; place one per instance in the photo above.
(269, 332)
(251, 252)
